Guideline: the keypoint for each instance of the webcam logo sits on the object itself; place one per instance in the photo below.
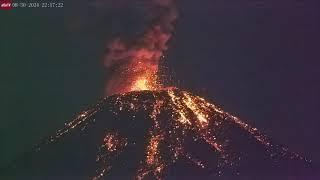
(5, 4)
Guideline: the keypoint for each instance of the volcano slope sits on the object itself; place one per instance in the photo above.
(167, 134)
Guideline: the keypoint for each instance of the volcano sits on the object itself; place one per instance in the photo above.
(165, 134)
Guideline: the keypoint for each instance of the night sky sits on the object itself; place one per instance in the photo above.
(257, 60)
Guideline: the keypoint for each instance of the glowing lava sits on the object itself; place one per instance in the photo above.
(145, 82)
(187, 117)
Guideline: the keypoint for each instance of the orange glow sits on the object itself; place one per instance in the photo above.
(146, 82)
(140, 85)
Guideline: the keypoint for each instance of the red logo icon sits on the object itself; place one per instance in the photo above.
(5, 4)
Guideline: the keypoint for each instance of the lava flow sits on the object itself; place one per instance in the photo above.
(175, 118)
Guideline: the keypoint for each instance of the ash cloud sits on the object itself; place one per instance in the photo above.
(129, 58)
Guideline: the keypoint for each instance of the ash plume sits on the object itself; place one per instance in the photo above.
(134, 63)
